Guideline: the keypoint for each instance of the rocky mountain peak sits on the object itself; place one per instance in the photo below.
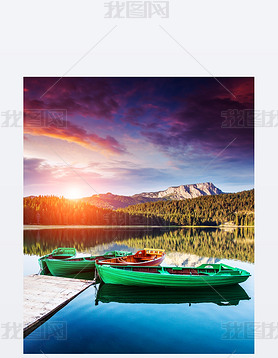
(189, 191)
(183, 192)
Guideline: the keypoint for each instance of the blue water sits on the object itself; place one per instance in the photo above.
(123, 323)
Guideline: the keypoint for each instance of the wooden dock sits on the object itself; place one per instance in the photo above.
(45, 295)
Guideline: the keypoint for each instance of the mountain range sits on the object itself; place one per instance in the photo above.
(113, 201)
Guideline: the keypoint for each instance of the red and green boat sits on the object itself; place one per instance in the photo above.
(145, 257)
(201, 276)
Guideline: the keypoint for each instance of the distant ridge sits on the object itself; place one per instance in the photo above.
(189, 191)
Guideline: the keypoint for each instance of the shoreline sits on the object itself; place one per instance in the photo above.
(41, 227)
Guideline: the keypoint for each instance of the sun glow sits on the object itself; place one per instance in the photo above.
(73, 193)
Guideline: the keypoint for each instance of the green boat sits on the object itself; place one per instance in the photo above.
(76, 265)
(201, 276)
(60, 253)
(88, 276)
(223, 296)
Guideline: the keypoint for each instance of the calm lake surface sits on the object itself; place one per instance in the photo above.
(122, 319)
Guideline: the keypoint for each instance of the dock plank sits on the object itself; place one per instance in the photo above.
(45, 295)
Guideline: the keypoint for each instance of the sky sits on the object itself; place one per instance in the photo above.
(92, 135)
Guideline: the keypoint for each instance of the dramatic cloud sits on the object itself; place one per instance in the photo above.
(165, 130)
(78, 95)
(66, 130)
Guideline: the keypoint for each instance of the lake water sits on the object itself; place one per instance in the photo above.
(122, 319)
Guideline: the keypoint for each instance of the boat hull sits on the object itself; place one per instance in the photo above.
(75, 265)
(63, 268)
(60, 253)
(114, 275)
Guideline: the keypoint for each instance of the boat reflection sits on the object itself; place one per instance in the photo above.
(222, 296)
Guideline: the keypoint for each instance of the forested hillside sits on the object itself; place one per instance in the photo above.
(52, 210)
(237, 209)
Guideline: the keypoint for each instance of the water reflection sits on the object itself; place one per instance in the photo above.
(205, 242)
(222, 296)
(235, 244)
(158, 317)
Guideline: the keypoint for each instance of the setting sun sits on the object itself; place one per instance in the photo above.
(73, 193)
